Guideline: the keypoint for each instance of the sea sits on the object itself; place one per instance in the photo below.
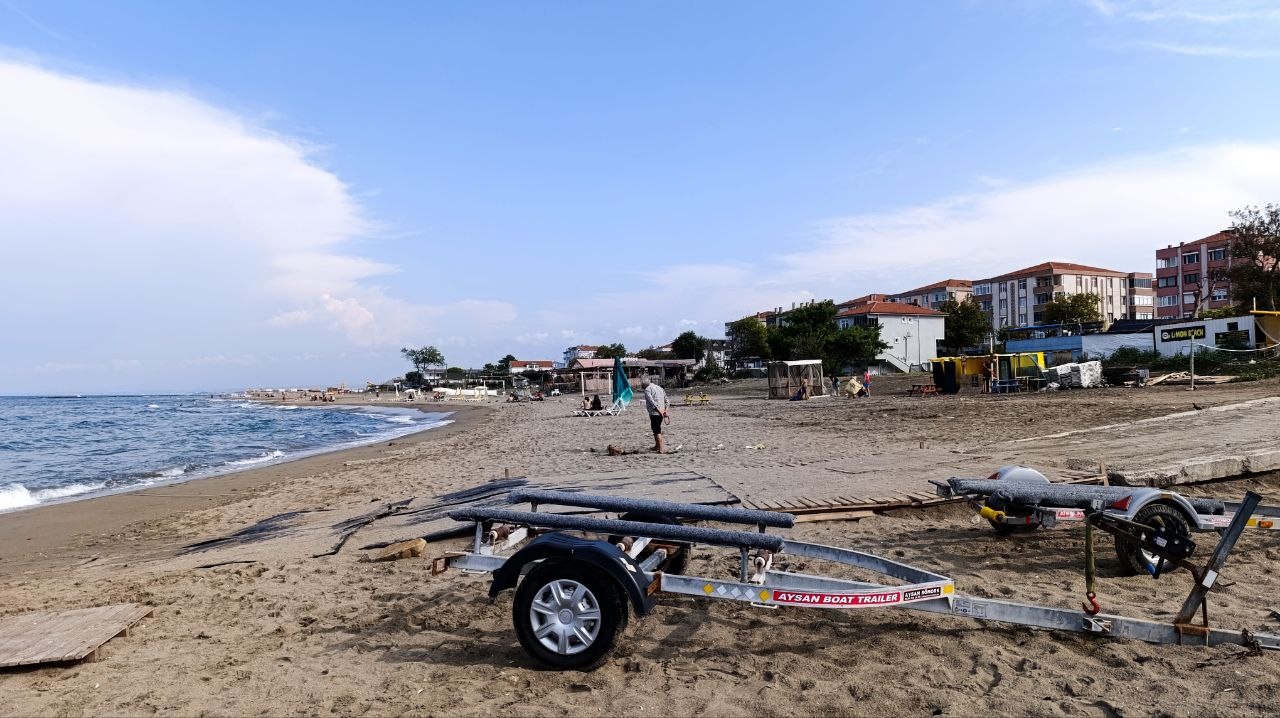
(61, 448)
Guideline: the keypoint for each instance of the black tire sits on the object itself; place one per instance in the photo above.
(674, 565)
(1133, 560)
(602, 595)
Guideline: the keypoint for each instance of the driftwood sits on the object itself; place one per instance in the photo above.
(347, 529)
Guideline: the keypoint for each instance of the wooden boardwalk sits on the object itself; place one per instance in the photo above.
(32, 638)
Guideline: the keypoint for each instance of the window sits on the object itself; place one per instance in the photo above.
(1233, 326)
(1166, 262)
(1141, 283)
(1188, 298)
(1220, 295)
(1042, 298)
(1191, 279)
(1168, 282)
(1022, 305)
(986, 306)
(1217, 255)
(1004, 288)
(1037, 317)
(939, 297)
(1022, 284)
(982, 289)
(1004, 305)
(1168, 301)
(1143, 315)
(1190, 257)
(1142, 300)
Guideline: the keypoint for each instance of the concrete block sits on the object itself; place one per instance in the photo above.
(1211, 467)
(1260, 461)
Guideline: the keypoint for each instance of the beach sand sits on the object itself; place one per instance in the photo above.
(293, 634)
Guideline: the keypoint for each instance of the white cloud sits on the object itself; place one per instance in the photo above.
(158, 220)
(1211, 50)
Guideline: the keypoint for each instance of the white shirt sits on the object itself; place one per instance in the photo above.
(655, 399)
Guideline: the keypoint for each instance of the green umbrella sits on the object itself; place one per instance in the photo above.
(621, 387)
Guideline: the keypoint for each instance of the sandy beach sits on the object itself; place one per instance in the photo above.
(290, 633)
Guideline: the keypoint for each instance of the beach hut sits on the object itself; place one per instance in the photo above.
(788, 377)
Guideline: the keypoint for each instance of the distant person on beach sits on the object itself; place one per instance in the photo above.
(586, 403)
(866, 381)
(655, 400)
(595, 403)
(835, 386)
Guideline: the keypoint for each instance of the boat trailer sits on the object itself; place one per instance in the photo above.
(573, 592)
(1153, 527)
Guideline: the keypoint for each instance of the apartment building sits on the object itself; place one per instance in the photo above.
(912, 332)
(1017, 298)
(933, 296)
(1193, 275)
(582, 351)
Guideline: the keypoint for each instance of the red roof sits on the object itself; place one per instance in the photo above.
(864, 300)
(890, 308)
(532, 362)
(1055, 267)
(936, 285)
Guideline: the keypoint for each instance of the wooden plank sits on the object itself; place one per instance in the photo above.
(44, 637)
(834, 516)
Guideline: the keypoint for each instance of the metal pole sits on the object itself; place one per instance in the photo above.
(1193, 365)
(1220, 552)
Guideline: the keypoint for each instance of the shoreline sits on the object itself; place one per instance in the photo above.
(41, 533)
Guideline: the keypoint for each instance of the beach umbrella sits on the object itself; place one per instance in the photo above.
(621, 387)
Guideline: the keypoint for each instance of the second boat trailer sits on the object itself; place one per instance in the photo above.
(573, 592)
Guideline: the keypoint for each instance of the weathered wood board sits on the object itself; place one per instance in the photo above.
(44, 637)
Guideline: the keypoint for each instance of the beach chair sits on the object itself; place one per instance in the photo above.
(692, 399)
(617, 407)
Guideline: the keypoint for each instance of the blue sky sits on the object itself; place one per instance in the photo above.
(217, 195)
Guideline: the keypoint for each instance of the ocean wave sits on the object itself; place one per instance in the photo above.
(398, 419)
(260, 459)
(153, 406)
(16, 496)
(171, 473)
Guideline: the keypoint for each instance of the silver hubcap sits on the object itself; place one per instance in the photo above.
(565, 617)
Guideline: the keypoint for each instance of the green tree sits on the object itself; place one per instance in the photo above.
(504, 364)
(855, 343)
(709, 371)
(689, 346)
(808, 328)
(423, 358)
(652, 353)
(1255, 255)
(966, 325)
(747, 338)
(455, 372)
(1073, 309)
(609, 351)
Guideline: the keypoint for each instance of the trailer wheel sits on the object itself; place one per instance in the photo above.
(567, 615)
(1134, 559)
(674, 565)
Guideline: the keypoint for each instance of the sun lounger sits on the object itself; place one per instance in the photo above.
(617, 407)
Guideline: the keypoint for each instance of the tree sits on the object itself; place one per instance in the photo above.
(455, 372)
(855, 343)
(609, 351)
(423, 358)
(709, 371)
(504, 364)
(1255, 257)
(689, 346)
(808, 328)
(747, 338)
(967, 324)
(1073, 309)
(652, 353)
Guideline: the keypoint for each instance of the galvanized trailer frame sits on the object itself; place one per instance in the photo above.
(640, 550)
(1044, 504)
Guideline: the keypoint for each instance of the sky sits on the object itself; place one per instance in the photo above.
(206, 196)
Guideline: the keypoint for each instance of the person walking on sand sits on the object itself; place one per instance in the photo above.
(866, 380)
(655, 400)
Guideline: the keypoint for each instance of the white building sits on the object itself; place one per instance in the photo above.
(911, 332)
(520, 366)
(581, 351)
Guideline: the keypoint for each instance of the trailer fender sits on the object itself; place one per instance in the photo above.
(1143, 498)
(606, 557)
